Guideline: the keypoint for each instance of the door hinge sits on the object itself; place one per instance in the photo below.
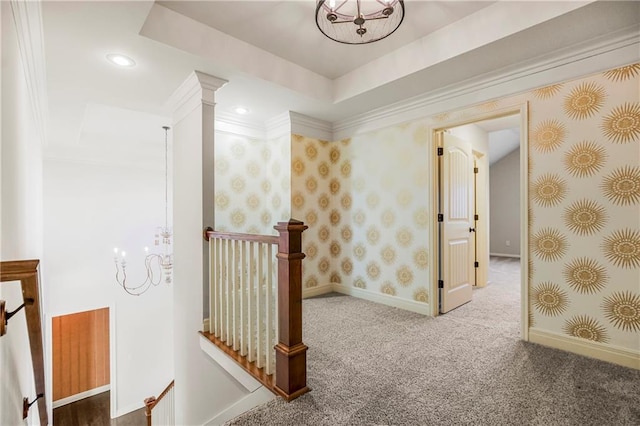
(475, 217)
(475, 170)
(476, 264)
(440, 284)
(440, 151)
(440, 217)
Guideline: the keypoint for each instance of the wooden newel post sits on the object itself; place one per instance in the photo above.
(149, 403)
(291, 353)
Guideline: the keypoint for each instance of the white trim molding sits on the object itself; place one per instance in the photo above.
(258, 397)
(198, 89)
(229, 365)
(569, 63)
(81, 395)
(27, 16)
(395, 302)
(311, 127)
(609, 353)
(317, 291)
(515, 256)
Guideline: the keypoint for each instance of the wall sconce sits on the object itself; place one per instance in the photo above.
(6, 316)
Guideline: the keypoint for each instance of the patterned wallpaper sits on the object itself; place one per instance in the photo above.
(584, 205)
(365, 200)
(312, 191)
(252, 183)
(584, 185)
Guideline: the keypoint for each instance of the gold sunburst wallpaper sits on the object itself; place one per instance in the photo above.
(584, 192)
(366, 200)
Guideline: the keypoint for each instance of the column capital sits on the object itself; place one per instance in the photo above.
(199, 88)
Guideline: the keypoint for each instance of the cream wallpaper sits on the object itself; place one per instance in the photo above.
(366, 202)
(312, 192)
(584, 205)
(252, 183)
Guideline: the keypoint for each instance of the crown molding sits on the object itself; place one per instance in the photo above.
(620, 48)
(230, 123)
(27, 16)
(278, 125)
(311, 127)
(198, 88)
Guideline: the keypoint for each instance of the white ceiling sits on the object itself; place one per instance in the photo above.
(287, 29)
(282, 64)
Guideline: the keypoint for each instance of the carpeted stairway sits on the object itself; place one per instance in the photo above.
(369, 364)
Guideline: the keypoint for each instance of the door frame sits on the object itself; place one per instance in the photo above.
(112, 353)
(522, 110)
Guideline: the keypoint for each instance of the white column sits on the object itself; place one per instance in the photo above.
(202, 389)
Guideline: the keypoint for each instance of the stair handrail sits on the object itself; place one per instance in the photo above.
(151, 402)
(26, 271)
(290, 351)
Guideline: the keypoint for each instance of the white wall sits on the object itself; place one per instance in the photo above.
(505, 205)
(90, 209)
(203, 389)
(21, 220)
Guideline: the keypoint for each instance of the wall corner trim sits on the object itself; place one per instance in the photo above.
(311, 127)
(609, 353)
(198, 88)
(27, 16)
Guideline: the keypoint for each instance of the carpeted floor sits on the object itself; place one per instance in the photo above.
(369, 364)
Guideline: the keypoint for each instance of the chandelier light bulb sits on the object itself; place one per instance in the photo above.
(124, 253)
(332, 4)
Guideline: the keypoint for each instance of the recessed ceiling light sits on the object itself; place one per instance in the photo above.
(241, 110)
(120, 60)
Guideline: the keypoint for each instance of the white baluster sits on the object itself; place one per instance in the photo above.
(225, 308)
(212, 285)
(269, 313)
(260, 310)
(243, 298)
(251, 305)
(235, 296)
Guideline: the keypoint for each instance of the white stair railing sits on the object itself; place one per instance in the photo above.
(243, 295)
(161, 411)
(255, 304)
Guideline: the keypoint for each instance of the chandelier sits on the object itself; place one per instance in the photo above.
(157, 265)
(359, 21)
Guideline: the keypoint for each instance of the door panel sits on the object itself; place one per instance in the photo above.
(457, 241)
(80, 352)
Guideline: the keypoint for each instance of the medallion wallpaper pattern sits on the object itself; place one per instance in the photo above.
(252, 183)
(366, 202)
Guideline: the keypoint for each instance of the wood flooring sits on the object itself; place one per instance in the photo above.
(94, 411)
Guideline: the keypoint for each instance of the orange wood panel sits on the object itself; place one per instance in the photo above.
(80, 352)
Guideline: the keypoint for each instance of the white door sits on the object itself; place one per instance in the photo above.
(457, 270)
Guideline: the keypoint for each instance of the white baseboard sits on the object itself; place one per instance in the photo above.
(505, 255)
(81, 395)
(317, 291)
(128, 409)
(614, 354)
(258, 397)
(396, 302)
(230, 365)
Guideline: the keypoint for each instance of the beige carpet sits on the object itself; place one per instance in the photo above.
(369, 364)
